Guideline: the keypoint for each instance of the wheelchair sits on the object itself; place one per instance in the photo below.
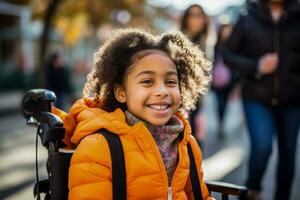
(36, 108)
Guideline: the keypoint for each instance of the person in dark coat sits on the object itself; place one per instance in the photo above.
(264, 48)
(58, 80)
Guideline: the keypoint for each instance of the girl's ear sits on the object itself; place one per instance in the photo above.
(119, 92)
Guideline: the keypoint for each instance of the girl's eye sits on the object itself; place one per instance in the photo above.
(147, 82)
(171, 82)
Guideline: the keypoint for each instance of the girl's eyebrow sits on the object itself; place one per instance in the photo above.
(169, 73)
(145, 72)
(152, 72)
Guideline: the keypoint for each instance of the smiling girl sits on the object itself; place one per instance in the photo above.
(138, 85)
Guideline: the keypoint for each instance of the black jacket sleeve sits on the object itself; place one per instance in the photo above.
(234, 51)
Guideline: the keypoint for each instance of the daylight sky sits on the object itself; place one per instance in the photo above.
(211, 7)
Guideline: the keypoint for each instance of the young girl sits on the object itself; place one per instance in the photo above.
(137, 86)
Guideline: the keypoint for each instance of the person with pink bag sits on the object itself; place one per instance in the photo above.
(224, 80)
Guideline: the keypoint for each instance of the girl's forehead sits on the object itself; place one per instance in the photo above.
(154, 60)
(139, 55)
(151, 58)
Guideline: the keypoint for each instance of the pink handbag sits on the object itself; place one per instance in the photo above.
(221, 74)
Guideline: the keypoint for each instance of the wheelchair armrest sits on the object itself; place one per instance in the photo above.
(227, 188)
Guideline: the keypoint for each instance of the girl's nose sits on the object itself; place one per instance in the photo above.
(161, 91)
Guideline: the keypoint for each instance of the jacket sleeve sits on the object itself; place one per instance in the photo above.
(234, 48)
(198, 159)
(90, 170)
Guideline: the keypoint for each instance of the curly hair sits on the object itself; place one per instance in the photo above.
(115, 56)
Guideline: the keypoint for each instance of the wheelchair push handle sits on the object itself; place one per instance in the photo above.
(36, 101)
(36, 108)
(37, 104)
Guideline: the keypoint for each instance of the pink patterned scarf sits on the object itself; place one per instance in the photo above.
(166, 138)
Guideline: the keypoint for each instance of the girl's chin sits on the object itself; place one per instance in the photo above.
(158, 122)
(156, 118)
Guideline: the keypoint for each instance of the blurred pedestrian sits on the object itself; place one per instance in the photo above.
(264, 48)
(58, 80)
(194, 24)
(224, 80)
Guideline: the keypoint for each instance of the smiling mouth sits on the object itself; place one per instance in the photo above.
(159, 107)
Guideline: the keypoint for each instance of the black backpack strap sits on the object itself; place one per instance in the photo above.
(196, 186)
(118, 164)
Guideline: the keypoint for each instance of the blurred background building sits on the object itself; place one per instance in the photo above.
(30, 30)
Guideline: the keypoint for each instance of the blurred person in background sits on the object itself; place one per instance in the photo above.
(224, 80)
(58, 80)
(194, 24)
(264, 48)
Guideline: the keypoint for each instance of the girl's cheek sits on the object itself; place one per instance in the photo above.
(177, 96)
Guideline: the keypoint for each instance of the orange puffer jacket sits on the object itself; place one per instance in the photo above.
(90, 175)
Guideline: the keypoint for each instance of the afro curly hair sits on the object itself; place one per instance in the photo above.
(115, 56)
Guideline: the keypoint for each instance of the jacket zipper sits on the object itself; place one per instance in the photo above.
(170, 187)
(169, 193)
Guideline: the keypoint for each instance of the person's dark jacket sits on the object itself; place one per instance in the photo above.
(254, 35)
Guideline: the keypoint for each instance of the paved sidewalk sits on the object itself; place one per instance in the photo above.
(10, 102)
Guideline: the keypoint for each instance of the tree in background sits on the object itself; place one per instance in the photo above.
(78, 19)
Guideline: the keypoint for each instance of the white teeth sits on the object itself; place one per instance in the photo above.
(158, 107)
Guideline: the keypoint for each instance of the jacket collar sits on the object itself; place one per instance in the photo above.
(86, 118)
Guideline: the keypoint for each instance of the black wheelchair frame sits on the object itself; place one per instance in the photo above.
(36, 108)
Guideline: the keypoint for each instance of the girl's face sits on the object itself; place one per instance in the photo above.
(151, 90)
(196, 21)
